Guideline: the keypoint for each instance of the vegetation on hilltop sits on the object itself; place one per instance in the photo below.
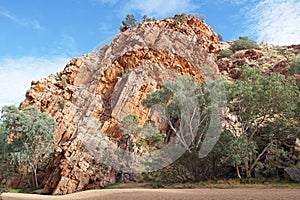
(243, 43)
(131, 22)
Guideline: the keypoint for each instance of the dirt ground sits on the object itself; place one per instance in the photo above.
(166, 194)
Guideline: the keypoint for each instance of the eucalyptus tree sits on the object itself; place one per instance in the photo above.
(26, 137)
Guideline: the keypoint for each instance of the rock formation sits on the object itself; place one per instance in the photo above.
(94, 92)
(271, 58)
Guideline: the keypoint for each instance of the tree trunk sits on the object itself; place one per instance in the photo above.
(35, 177)
(238, 171)
(248, 173)
(248, 170)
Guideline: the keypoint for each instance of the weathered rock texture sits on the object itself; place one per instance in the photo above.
(271, 58)
(94, 92)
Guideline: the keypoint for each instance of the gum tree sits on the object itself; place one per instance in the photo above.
(265, 106)
(27, 136)
(185, 105)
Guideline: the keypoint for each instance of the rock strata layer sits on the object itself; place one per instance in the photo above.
(94, 92)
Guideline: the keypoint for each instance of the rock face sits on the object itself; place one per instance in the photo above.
(94, 92)
(271, 58)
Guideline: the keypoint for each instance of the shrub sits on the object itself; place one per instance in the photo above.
(134, 135)
(64, 80)
(180, 19)
(243, 43)
(294, 66)
(3, 189)
(148, 19)
(61, 103)
(226, 53)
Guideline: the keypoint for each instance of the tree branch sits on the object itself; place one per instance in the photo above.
(259, 156)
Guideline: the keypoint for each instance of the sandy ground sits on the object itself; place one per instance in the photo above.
(166, 194)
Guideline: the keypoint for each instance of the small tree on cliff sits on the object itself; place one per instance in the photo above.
(148, 19)
(129, 22)
(265, 106)
(27, 136)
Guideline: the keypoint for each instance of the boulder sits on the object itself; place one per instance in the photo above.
(294, 173)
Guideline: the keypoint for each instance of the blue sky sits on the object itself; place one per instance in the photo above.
(38, 37)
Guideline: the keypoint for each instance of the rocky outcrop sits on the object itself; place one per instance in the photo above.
(94, 92)
(230, 67)
(271, 58)
(190, 26)
(92, 95)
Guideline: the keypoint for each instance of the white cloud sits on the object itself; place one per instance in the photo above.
(160, 8)
(21, 21)
(16, 75)
(236, 2)
(276, 21)
(230, 1)
(109, 2)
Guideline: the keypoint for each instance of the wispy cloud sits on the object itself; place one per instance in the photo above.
(237, 2)
(109, 2)
(17, 74)
(160, 8)
(276, 21)
(19, 20)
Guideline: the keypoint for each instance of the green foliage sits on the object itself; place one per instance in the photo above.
(180, 19)
(129, 22)
(151, 134)
(64, 80)
(148, 19)
(27, 136)
(3, 189)
(137, 136)
(243, 43)
(130, 124)
(226, 53)
(61, 104)
(259, 101)
(238, 150)
(181, 102)
(256, 96)
(294, 66)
